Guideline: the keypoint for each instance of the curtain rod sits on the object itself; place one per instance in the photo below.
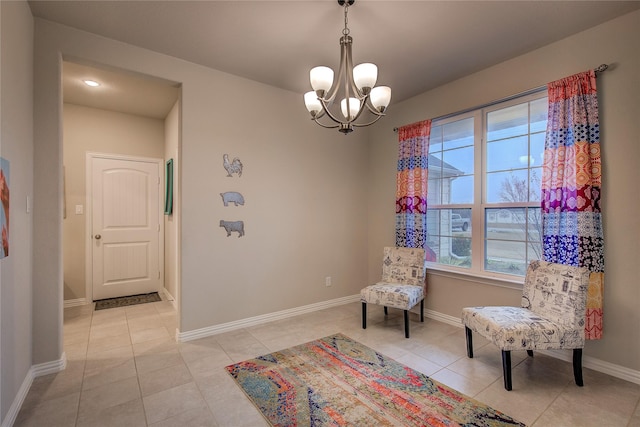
(599, 69)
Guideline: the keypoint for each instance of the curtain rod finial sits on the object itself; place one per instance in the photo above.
(601, 68)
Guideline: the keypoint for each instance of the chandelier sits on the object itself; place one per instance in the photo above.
(355, 83)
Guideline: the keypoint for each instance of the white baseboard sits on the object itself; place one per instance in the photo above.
(444, 318)
(12, 414)
(50, 367)
(75, 302)
(34, 372)
(259, 320)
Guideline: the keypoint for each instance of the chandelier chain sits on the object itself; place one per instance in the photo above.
(346, 30)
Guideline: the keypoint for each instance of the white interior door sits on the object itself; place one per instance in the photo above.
(125, 228)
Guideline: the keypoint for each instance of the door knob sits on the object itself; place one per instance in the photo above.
(98, 237)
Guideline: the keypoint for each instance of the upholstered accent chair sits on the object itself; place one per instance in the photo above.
(551, 316)
(402, 285)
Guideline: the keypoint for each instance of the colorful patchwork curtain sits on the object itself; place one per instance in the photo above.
(411, 186)
(571, 186)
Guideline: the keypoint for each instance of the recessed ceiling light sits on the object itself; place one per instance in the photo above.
(91, 83)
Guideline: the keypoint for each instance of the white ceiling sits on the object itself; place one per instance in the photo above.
(417, 45)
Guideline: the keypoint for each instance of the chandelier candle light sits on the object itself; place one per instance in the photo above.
(357, 84)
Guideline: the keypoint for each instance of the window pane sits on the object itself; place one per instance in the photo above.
(505, 257)
(538, 112)
(449, 235)
(445, 252)
(435, 139)
(461, 222)
(461, 189)
(508, 187)
(449, 222)
(506, 154)
(507, 224)
(458, 161)
(458, 134)
(433, 222)
(508, 122)
(434, 191)
(536, 150)
(435, 165)
(534, 252)
(535, 184)
(512, 239)
(534, 227)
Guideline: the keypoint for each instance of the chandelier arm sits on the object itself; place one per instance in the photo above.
(326, 126)
(350, 87)
(328, 112)
(373, 110)
(357, 116)
(319, 115)
(349, 82)
(348, 74)
(360, 125)
(336, 83)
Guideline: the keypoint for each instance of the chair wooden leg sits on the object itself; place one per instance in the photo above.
(506, 369)
(577, 366)
(386, 310)
(406, 323)
(530, 353)
(469, 336)
(422, 310)
(364, 315)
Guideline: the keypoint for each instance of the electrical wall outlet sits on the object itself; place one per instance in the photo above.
(327, 281)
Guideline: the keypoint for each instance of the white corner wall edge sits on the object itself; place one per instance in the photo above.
(566, 355)
(259, 320)
(170, 298)
(35, 371)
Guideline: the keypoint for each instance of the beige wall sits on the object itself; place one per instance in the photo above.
(305, 212)
(614, 43)
(171, 222)
(100, 131)
(16, 136)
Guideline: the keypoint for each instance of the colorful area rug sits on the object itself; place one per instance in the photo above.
(124, 301)
(336, 381)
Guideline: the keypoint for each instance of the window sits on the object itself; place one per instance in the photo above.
(485, 166)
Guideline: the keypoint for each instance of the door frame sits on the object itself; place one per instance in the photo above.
(89, 156)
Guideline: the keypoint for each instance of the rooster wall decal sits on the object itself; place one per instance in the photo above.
(232, 167)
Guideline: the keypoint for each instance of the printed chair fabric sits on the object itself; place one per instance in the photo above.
(551, 316)
(402, 284)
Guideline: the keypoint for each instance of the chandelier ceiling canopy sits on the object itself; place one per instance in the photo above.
(356, 86)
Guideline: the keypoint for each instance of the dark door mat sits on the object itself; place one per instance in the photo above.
(124, 301)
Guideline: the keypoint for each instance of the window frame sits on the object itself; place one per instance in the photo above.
(479, 205)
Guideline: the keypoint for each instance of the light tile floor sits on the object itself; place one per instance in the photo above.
(125, 369)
